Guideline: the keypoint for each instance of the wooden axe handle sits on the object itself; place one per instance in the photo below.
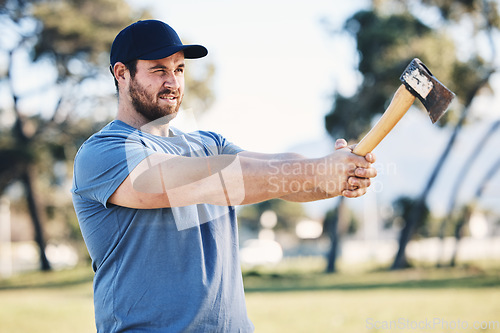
(400, 103)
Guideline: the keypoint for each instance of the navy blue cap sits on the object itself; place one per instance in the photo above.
(150, 40)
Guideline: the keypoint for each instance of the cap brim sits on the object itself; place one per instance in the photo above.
(190, 52)
(195, 51)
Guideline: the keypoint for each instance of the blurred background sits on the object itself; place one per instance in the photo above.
(280, 76)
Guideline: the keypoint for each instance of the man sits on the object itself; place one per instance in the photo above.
(156, 205)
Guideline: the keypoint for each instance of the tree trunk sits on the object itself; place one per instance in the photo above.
(458, 236)
(462, 174)
(334, 239)
(495, 168)
(33, 206)
(418, 209)
(336, 221)
(26, 175)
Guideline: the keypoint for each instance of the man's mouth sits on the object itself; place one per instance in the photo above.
(171, 99)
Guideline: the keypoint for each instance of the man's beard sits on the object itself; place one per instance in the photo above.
(145, 105)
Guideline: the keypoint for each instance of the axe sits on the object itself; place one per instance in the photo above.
(419, 82)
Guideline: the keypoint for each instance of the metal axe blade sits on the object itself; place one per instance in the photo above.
(419, 80)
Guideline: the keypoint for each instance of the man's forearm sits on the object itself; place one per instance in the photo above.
(279, 178)
(289, 159)
(305, 194)
(308, 196)
(163, 180)
(223, 179)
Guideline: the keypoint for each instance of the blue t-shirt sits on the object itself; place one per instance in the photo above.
(157, 270)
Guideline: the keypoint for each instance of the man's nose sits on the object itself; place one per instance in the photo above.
(171, 81)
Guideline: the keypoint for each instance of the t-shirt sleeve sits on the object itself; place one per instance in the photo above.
(230, 148)
(103, 163)
(225, 147)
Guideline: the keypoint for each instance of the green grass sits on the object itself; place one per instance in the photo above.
(53, 302)
(357, 310)
(291, 297)
(354, 301)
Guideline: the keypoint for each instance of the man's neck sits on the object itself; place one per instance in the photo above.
(158, 127)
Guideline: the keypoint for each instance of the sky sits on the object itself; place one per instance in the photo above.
(277, 66)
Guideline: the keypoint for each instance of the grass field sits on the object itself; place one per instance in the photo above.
(289, 300)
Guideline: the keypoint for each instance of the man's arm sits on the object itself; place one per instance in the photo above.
(357, 188)
(290, 167)
(164, 180)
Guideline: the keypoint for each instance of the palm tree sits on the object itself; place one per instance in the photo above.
(462, 174)
(488, 176)
(63, 33)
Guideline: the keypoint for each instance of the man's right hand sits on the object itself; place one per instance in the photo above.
(345, 173)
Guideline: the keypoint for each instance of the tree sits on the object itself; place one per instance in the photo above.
(462, 174)
(69, 37)
(68, 41)
(386, 44)
(337, 222)
(488, 176)
(387, 38)
(473, 76)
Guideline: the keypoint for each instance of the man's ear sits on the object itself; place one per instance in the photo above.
(119, 70)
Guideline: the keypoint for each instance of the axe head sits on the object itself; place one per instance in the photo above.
(419, 80)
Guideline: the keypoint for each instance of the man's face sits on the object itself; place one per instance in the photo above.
(157, 88)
